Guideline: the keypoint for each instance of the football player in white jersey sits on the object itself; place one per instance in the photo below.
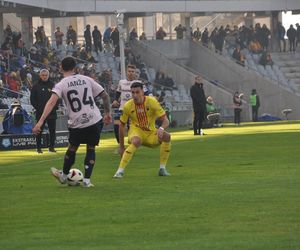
(123, 94)
(84, 118)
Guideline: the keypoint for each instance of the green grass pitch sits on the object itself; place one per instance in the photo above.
(236, 188)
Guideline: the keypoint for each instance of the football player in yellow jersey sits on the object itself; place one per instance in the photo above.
(143, 111)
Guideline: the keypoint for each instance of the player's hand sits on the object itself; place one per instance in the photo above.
(160, 133)
(115, 104)
(121, 150)
(37, 128)
(107, 119)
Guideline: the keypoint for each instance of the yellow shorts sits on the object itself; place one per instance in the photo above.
(148, 138)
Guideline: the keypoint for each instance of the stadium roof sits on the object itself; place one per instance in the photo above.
(80, 7)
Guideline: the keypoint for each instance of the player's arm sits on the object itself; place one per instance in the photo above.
(106, 104)
(48, 108)
(164, 125)
(165, 122)
(116, 103)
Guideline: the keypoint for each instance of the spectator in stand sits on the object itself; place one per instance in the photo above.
(227, 31)
(133, 35)
(220, 39)
(28, 82)
(106, 80)
(7, 32)
(250, 34)
(97, 39)
(197, 34)
(266, 59)
(238, 56)
(35, 54)
(179, 31)
(160, 79)
(213, 38)
(14, 83)
(169, 82)
(161, 99)
(292, 34)
(298, 34)
(71, 36)
(90, 57)
(258, 33)
(6, 46)
(160, 34)
(143, 36)
(106, 38)
(280, 36)
(83, 54)
(40, 94)
(41, 38)
(255, 47)
(58, 37)
(114, 36)
(88, 38)
(265, 33)
(205, 38)
(143, 75)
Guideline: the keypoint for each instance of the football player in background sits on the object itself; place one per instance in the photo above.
(123, 94)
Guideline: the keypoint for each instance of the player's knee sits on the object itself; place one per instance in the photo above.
(166, 137)
(89, 147)
(136, 141)
(72, 148)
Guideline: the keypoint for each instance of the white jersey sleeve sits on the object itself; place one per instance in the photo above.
(78, 93)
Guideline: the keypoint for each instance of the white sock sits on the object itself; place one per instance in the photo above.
(120, 170)
(162, 166)
(87, 180)
(64, 176)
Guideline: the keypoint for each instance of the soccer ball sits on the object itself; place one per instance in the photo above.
(74, 177)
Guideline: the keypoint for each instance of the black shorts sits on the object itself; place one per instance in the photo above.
(89, 135)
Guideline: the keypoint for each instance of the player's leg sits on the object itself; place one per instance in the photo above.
(89, 163)
(75, 136)
(69, 160)
(92, 135)
(152, 140)
(165, 149)
(135, 142)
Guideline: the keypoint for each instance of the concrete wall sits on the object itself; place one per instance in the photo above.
(235, 77)
(181, 75)
(230, 76)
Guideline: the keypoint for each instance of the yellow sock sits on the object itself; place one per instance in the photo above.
(127, 155)
(165, 149)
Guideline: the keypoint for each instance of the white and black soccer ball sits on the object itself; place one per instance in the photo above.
(74, 177)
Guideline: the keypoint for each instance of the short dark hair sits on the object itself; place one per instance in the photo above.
(130, 66)
(68, 63)
(136, 85)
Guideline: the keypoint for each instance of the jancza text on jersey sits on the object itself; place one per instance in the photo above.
(76, 83)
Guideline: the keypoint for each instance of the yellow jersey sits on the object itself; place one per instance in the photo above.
(143, 115)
